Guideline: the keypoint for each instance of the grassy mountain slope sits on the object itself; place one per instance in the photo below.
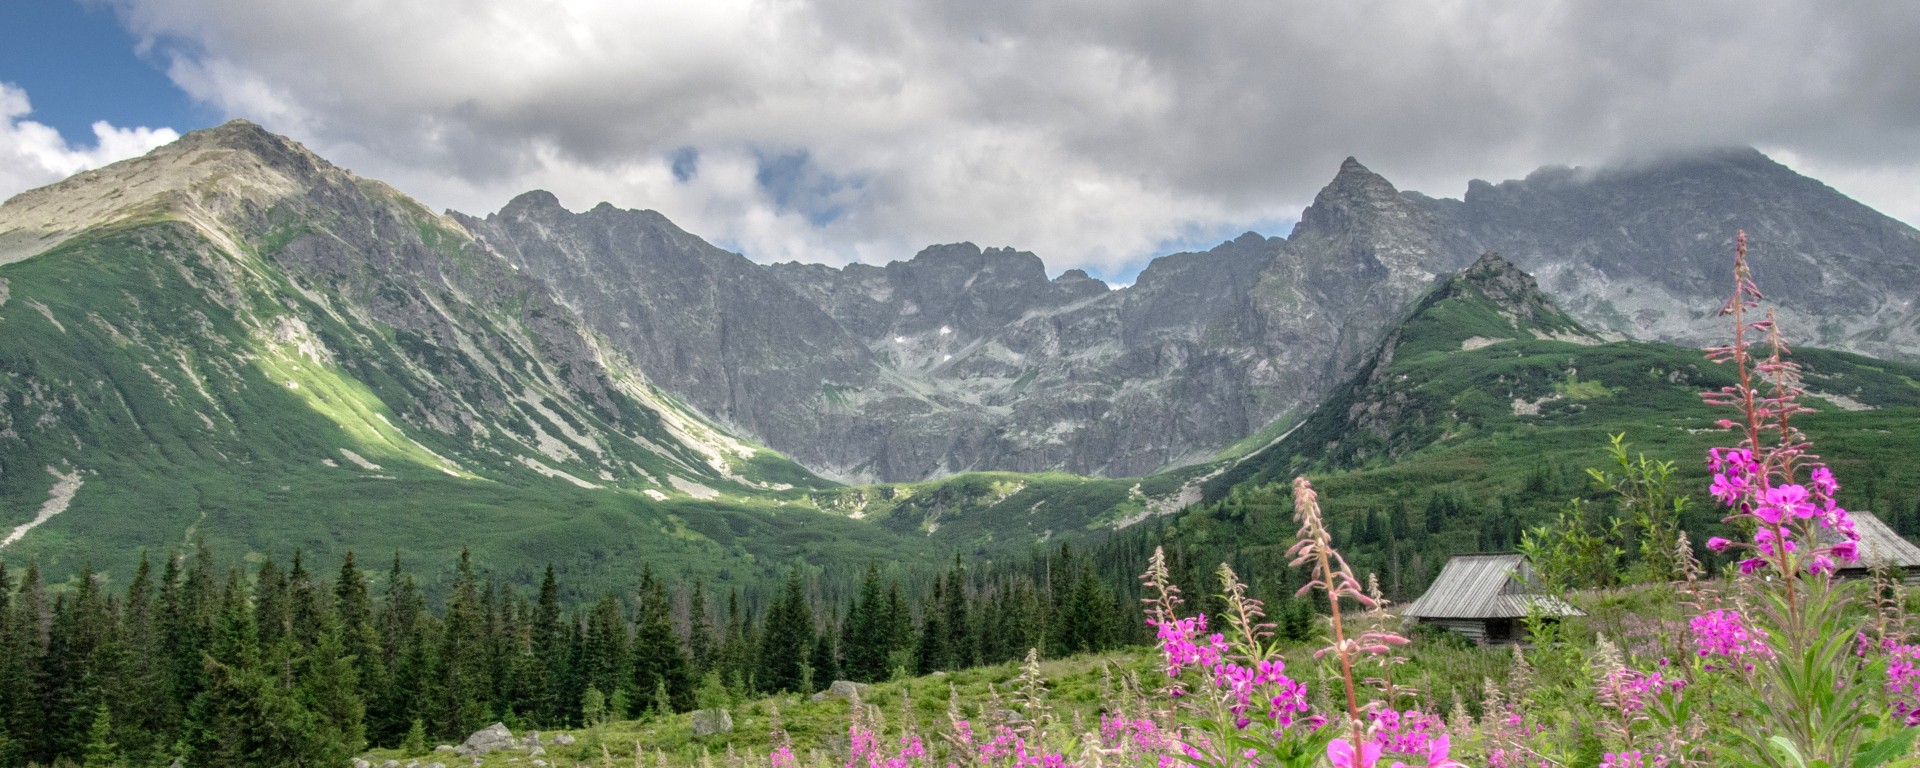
(270, 353)
(1482, 409)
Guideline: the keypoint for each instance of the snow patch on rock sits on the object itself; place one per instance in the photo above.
(359, 461)
(551, 472)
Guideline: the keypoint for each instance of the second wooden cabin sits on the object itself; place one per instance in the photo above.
(1484, 597)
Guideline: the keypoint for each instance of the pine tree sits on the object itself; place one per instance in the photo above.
(329, 690)
(304, 604)
(826, 657)
(101, 751)
(900, 639)
(150, 722)
(353, 609)
(960, 647)
(461, 676)
(243, 716)
(547, 636)
(404, 655)
(9, 667)
(31, 634)
(933, 654)
(604, 662)
(789, 635)
(701, 644)
(658, 660)
(868, 632)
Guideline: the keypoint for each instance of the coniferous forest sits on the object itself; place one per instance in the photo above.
(217, 665)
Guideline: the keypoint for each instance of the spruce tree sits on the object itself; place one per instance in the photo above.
(701, 644)
(900, 638)
(404, 656)
(826, 657)
(659, 662)
(933, 655)
(329, 690)
(460, 676)
(868, 632)
(353, 609)
(604, 661)
(150, 722)
(101, 751)
(13, 672)
(548, 638)
(789, 636)
(961, 649)
(243, 716)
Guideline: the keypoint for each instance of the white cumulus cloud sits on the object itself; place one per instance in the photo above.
(33, 154)
(1093, 133)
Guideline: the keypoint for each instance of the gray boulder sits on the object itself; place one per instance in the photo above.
(841, 689)
(707, 722)
(563, 740)
(360, 763)
(488, 739)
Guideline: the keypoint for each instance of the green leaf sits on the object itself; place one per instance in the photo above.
(1885, 749)
(1786, 750)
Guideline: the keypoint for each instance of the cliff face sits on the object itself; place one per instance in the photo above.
(968, 359)
(958, 358)
(1646, 250)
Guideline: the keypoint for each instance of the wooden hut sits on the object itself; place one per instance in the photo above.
(1882, 549)
(1484, 597)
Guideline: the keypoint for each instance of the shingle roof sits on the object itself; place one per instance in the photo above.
(1880, 547)
(1484, 587)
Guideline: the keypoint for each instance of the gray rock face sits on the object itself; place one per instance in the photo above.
(489, 739)
(707, 722)
(1647, 250)
(968, 359)
(841, 689)
(533, 340)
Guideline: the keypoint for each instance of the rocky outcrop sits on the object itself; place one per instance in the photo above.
(707, 722)
(489, 739)
(1646, 249)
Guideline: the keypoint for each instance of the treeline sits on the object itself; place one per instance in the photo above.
(276, 665)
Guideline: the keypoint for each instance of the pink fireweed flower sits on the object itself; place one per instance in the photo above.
(1725, 635)
(1341, 754)
(1718, 544)
(1632, 759)
(1789, 500)
(1823, 482)
(1903, 682)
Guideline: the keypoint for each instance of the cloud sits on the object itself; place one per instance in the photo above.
(33, 154)
(1095, 133)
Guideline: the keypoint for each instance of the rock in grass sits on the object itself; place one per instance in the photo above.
(707, 722)
(488, 739)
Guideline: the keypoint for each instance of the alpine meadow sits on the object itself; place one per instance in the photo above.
(1607, 466)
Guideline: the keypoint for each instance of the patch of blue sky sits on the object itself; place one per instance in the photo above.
(795, 183)
(78, 66)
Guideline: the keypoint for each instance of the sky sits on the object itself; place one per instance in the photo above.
(1096, 133)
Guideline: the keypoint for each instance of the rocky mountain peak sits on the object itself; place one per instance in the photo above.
(1354, 193)
(272, 149)
(531, 201)
(1508, 287)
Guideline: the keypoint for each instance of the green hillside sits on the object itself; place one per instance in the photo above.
(1481, 412)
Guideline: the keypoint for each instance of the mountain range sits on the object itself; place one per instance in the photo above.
(231, 337)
